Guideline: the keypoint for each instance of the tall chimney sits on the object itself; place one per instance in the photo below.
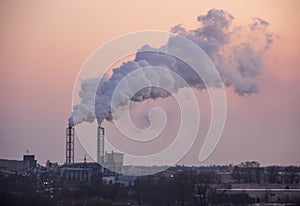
(69, 145)
(100, 145)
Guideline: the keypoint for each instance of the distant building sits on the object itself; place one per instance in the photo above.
(51, 165)
(18, 166)
(29, 161)
(114, 161)
(79, 171)
(125, 180)
(109, 179)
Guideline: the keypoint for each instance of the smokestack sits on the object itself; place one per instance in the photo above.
(100, 145)
(69, 145)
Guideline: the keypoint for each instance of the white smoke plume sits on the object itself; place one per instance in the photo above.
(236, 52)
(85, 110)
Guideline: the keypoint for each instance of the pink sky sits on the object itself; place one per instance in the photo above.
(43, 46)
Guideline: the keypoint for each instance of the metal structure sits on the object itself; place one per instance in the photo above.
(69, 145)
(100, 145)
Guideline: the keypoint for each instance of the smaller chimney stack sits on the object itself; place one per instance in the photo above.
(100, 145)
(69, 145)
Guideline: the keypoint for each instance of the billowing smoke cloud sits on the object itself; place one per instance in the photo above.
(85, 110)
(236, 52)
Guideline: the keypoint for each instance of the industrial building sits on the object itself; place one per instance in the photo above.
(79, 171)
(112, 161)
(18, 166)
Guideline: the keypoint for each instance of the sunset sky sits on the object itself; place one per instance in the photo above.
(43, 45)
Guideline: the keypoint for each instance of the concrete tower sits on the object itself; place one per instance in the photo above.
(100, 145)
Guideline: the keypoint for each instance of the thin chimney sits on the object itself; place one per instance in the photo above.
(69, 145)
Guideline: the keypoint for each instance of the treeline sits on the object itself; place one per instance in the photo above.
(251, 172)
(178, 186)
